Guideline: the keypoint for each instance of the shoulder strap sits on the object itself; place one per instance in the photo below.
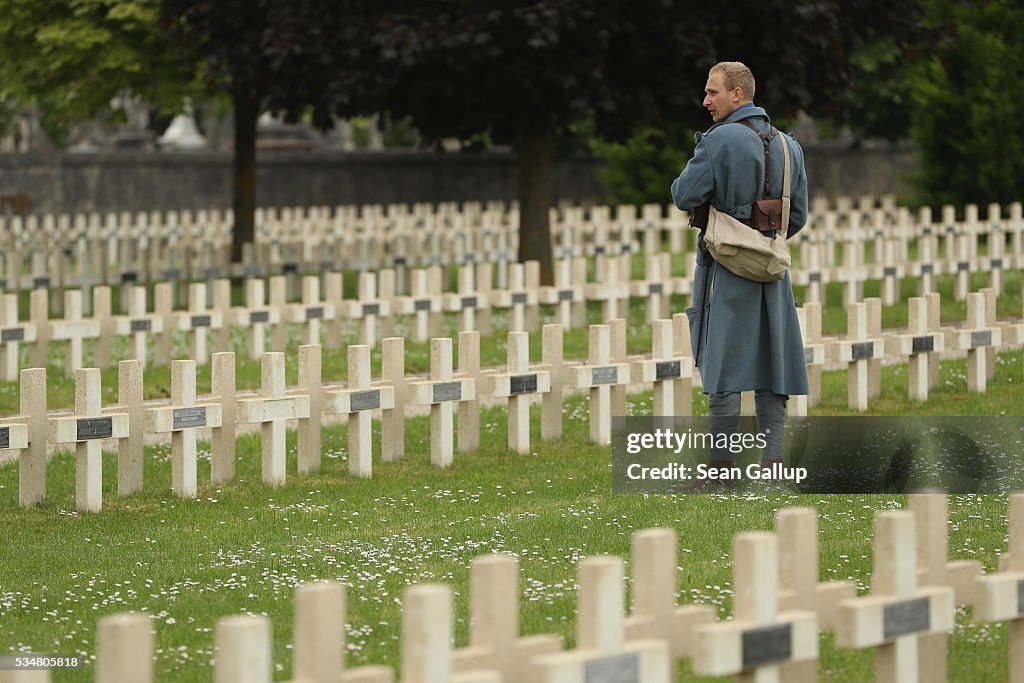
(766, 138)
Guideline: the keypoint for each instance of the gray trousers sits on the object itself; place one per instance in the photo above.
(724, 408)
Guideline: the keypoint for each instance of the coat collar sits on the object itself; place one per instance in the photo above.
(741, 114)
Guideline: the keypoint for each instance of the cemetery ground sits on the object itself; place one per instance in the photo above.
(246, 547)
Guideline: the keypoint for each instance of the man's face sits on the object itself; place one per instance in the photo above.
(717, 100)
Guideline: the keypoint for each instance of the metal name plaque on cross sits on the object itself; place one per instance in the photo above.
(667, 369)
(997, 263)
(522, 384)
(981, 338)
(421, 305)
(5, 441)
(814, 277)
(259, 317)
(140, 325)
(963, 267)
(598, 250)
(862, 350)
(314, 312)
(565, 295)
(289, 268)
(656, 288)
(922, 344)
(187, 418)
(911, 616)
(519, 298)
(889, 271)
(447, 391)
(808, 355)
(768, 644)
(200, 321)
(41, 282)
(129, 277)
(469, 302)
(12, 334)
(604, 375)
(618, 669)
(926, 269)
(371, 309)
(95, 428)
(365, 400)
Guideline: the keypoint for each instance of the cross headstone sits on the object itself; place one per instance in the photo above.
(564, 294)
(682, 386)
(467, 300)
(655, 614)
(898, 611)
(368, 308)
(73, 330)
(759, 640)
(104, 316)
(272, 410)
(197, 320)
(602, 652)
(138, 324)
(32, 463)
(856, 350)
(517, 385)
(599, 375)
(420, 305)
(311, 311)
(1000, 596)
(656, 286)
(182, 418)
(919, 346)
(663, 369)
(130, 455)
(124, 648)
(494, 641)
(334, 294)
(311, 385)
(357, 401)
(86, 429)
(469, 411)
(440, 392)
(392, 437)
(222, 439)
(11, 334)
(552, 362)
(975, 339)
(516, 298)
(256, 316)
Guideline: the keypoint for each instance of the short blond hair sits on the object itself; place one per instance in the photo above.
(736, 75)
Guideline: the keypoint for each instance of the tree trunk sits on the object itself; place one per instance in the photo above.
(244, 230)
(535, 183)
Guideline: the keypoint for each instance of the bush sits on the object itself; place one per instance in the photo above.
(640, 170)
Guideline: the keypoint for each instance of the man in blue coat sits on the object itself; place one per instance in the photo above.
(745, 334)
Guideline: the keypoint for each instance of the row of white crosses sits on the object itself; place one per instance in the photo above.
(779, 610)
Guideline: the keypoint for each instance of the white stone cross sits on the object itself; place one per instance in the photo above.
(272, 410)
(86, 429)
(1000, 596)
(975, 339)
(420, 305)
(517, 385)
(138, 324)
(367, 309)
(552, 353)
(917, 346)
(256, 316)
(856, 350)
(357, 401)
(198, 320)
(73, 330)
(11, 333)
(599, 375)
(392, 436)
(311, 311)
(182, 418)
(440, 392)
(662, 369)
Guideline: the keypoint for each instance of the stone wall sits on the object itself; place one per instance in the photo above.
(126, 181)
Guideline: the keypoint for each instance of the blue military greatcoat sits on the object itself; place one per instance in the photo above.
(745, 334)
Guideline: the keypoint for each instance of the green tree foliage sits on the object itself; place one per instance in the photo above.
(965, 120)
(73, 57)
(636, 170)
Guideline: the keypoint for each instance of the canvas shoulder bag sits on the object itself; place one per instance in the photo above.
(745, 250)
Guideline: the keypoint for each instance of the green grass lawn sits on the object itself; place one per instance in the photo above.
(245, 547)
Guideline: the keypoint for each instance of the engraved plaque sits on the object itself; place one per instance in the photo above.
(5, 440)
(12, 334)
(314, 312)
(259, 317)
(926, 232)
(522, 384)
(1020, 584)
(185, 418)
(668, 369)
(910, 616)
(212, 273)
(200, 321)
(889, 271)
(421, 305)
(129, 277)
(926, 269)
(997, 263)
(399, 261)
(922, 344)
(447, 391)
(808, 355)
(519, 298)
(656, 288)
(365, 400)
(565, 295)
(290, 268)
(625, 249)
(618, 669)
(371, 309)
(469, 302)
(140, 325)
(879, 234)
(768, 644)
(963, 267)
(604, 375)
(41, 282)
(814, 277)
(598, 250)
(95, 428)
(981, 338)
(862, 350)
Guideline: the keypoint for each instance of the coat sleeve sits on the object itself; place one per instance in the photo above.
(696, 184)
(798, 196)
